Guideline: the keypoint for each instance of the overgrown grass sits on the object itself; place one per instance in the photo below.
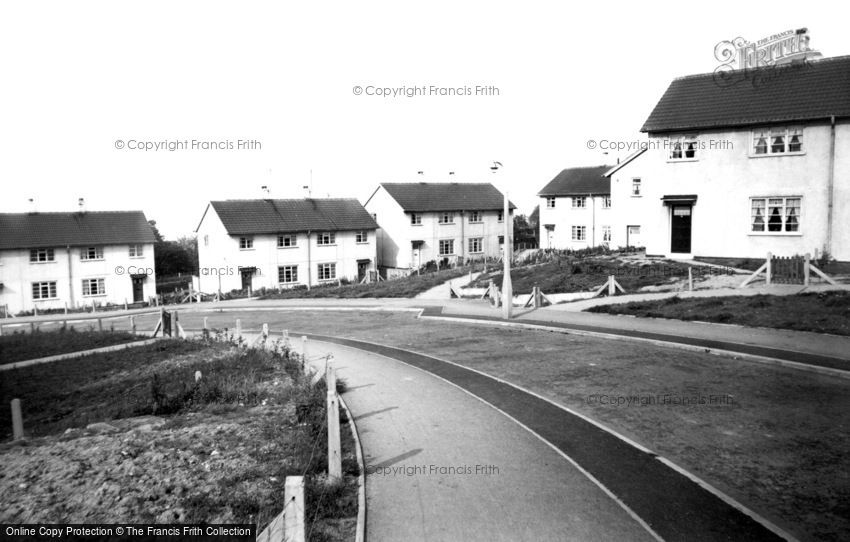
(583, 274)
(401, 287)
(21, 345)
(823, 312)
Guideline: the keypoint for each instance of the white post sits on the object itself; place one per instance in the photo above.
(125, 303)
(293, 515)
(133, 324)
(612, 290)
(17, 420)
(238, 328)
(265, 331)
(334, 456)
(66, 307)
(507, 288)
(205, 323)
(768, 270)
(198, 376)
(806, 270)
(690, 279)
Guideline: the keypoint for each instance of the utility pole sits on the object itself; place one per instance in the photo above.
(507, 288)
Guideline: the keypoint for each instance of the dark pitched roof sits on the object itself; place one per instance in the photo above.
(579, 181)
(256, 216)
(430, 197)
(34, 230)
(812, 90)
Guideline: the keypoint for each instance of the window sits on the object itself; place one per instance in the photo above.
(446, 218)
(246, 243)
(606, 234)
(44, 290)
(287, 274)
(684, 148)
(475, 245)
(137, 251)
(327, 271)
(634, 230)
(361, 237)
(775, 215)
(501, 239)
(93, 287)
(501, 216)
(326, 238)
(550, 202)
(416, 219)
(475, 217)
(91, 253)
(579, 202)
(606, 202)
(778, 140)
(579, 233)
(42, 255)
(635, 187)
(447, 247)
(287, 241)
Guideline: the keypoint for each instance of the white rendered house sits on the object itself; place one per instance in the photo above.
(282, 243)
(576, 209)
(57, 260)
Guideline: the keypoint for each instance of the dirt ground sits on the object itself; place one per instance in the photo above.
(776, 440)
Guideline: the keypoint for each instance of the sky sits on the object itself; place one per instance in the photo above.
(87, 86)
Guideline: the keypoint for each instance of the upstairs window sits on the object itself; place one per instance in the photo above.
(779, 140)
(475, 217)
(579, 202)
(91, 253)
(446, 218)
(361, 237)
(246, 243)
(287, 241)
(38, 255)
(775, 215)
(683, 148)
(635, 187)
(550, 202)
(137, 251)
(326, 238)
(416, 219)
(501, 216)
(606, 202)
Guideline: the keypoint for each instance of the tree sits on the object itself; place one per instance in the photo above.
(534, 219)
(174, 257)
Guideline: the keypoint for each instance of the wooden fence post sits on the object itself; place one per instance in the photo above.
(690, 279)
(17, 420)
(133, 324)
(334, 456)
(206, 327)
(806, 270)
(294, 512)
(612, 290)
(767, 270)
(100, 324)
(125, 303)
(265, 331)
(304, 350)
(238, 328)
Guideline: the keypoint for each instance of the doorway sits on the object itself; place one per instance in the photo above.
(680, 229)
(138, 289)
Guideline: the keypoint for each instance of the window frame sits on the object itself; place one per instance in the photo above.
(291, 237)
(551, 202)
(579, 202)
(282, 271)
(479, 241)
(52, 290)
(606, 202)
(451, 245)
(606, 234)
(246, 243)
(769, 132)
(582, 230)
(100, 284)
(475, 217)
(136, 250)
(49, 255)
(320, 271)
(679, 145)
(326, 239)
(86, 251)
(361, 237)
(783, 232)
(637, 182)
(415, 219)
(445, 217)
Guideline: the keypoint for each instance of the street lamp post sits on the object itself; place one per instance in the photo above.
(507, 288)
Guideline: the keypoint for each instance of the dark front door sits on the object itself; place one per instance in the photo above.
(362, 269)
(680, 229)
(138, 289)
(246, 279)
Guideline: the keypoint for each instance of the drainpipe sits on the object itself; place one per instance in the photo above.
(70, 277)
(830, 186)
(462, 239)
(309, 263)
(593, 221)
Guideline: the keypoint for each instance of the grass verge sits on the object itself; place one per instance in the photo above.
(132, 436)
(821, 312)
(402, 287)
(20, 346)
